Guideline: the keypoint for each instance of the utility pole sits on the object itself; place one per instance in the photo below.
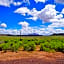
(20, 35)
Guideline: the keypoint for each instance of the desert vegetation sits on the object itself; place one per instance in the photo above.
(46, 43)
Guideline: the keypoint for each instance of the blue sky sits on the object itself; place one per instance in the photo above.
(44, 17)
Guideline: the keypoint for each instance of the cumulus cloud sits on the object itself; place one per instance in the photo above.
(59, 31)
(20, 3)
(24, 23)
(26, 1)
(33, 18)
(22, 10)
(40, 1)
(46, 14)
(55, 25)
(17, 3)
(7, 3)
(59, 1)
(62, 11)
(31, 30)
(58, 23)
(3, 25)
(10, 31)
(25, 27)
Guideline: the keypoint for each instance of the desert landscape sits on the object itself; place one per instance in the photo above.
(30, 56)
(31, 31)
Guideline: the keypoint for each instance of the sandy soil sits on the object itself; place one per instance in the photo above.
(34, 57)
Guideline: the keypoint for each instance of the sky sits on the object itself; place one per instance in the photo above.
(43, 17)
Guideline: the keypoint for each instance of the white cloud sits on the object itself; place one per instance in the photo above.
(33, 18)
(31, 30)
(25, 27)
(59, 31)
(40, 1)
(62, 11)
(25, 24)
(33, 12)
(6, 2)
(20, 3)
(10, 31)
(58, 23)
(22, 10)
(59, 1)
(3, 25)
(17, 3)
(26, 1)
(46, 14)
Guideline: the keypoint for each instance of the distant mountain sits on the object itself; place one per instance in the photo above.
(34, 34)
(59, 34)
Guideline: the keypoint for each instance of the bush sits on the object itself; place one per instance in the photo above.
(41, 47)
(45, 48)
(52, 46)
(37, 42)
(20, 43)
(15, 48)
(11, 45)
(4, 46)
(6, 41)
(29, 46)
(25, 41)
(49, 44)
(26, 47)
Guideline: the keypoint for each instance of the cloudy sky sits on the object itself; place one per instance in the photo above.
(43, 17)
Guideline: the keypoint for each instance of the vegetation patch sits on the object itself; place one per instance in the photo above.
(48, 43)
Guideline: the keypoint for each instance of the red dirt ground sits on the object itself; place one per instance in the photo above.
(34, 57)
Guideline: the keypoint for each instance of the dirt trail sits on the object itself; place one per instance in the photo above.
(34, 57)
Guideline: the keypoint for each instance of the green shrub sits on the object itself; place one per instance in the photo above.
(29, 46)
(41, 41)
(20, 39)
(20, 43)
(41, 46)
(11, 45)
(6, 41)
(25, 41)
(37, 42)
(4, 46)
(46, 49)
(14, 47)
(26, 47)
